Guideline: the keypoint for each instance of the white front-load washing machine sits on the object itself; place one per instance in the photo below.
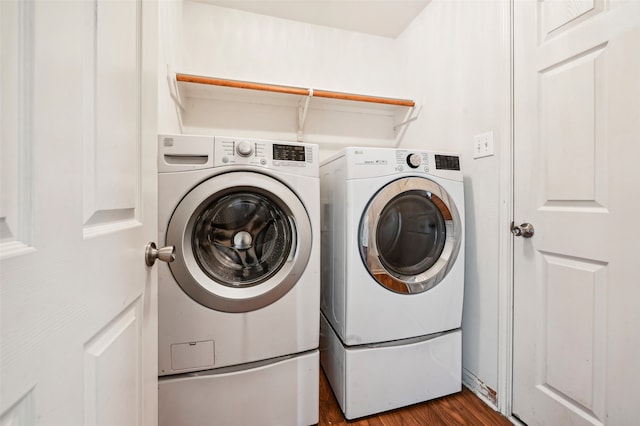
(392, 277)
(238, 308)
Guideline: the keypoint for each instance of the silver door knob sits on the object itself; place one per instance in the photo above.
(151, 253)
(525, 230)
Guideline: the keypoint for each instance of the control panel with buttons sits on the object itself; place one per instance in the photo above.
(263, 153)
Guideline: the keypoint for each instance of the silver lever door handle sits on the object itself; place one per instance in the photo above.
(151, 253)
(525, 230)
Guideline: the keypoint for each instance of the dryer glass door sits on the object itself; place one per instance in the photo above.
(410, 235)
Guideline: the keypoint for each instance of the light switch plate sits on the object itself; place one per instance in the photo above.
(483, 145)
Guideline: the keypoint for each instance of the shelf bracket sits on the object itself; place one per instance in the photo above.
(303, 106)
(173, 87)
(412, 117)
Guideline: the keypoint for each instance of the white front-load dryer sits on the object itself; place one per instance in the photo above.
(238, 308)
(392, 276)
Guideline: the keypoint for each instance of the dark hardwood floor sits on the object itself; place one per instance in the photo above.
(463, 408)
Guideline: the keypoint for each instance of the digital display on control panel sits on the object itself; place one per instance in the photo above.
(447, 162)
(288, 153)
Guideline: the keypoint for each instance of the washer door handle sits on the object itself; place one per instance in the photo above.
(151, 253)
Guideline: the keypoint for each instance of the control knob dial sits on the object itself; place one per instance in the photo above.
(414, 160)
(244, 148)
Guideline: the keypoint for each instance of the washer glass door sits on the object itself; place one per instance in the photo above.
(410, 235)
(242, 241)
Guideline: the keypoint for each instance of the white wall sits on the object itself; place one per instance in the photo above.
(457, 62)
(452, 60)
(238, 45)
(169, 54)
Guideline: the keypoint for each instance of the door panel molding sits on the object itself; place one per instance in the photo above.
(579, 385)
(112, 96)
(117, 347)
(561, 16)
(17, 179)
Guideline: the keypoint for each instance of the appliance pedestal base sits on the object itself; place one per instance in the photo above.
(371, 379)
(280, 392)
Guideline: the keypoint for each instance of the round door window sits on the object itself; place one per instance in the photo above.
(241, 241)
(410, 235)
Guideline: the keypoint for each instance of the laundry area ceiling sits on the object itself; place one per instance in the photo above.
(386, 18)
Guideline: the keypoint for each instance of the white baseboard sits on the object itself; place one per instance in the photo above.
(478, 387)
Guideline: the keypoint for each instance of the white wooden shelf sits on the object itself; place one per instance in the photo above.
(185, 86)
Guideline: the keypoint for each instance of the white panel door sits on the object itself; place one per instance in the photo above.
(576, 153)
(78, 311)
